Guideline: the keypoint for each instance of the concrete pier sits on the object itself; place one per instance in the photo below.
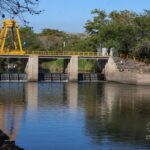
(32, 68)
(73, 69)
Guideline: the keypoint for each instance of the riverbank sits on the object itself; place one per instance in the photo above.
(6, 144)
(127, 71)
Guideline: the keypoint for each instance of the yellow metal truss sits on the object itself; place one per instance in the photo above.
(13, 27)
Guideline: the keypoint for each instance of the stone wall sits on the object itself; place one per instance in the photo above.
(123, 76)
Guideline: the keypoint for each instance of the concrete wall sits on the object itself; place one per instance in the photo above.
(32, 68)
(72, 69)
(112, 73)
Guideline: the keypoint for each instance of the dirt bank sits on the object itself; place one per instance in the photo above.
(131, 65)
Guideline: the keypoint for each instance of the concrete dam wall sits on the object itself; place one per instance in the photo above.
(112, 73)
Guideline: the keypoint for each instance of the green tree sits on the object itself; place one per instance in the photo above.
(52, 39)
(31, 38)
(122, 30)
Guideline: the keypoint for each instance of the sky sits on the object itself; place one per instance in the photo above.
(71, 15)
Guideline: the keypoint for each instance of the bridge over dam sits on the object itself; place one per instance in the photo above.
(31, 60)
(32, 71)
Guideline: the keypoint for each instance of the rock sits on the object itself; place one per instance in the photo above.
(6, 144)
(3, 136)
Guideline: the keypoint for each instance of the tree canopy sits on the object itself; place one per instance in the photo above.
(127, 31)
(52, 39)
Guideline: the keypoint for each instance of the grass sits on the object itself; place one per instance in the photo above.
(57, 66)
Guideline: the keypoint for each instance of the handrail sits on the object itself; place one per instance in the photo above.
(53, 53)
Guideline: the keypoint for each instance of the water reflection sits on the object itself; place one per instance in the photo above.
(118, 113)
(31, 96)
(71, 115)
(12, 107)
(72, 96)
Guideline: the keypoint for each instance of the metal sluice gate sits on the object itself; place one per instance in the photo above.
(13, 77)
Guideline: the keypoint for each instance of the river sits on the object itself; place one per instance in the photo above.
(71, 116)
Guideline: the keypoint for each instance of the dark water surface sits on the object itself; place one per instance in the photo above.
(70, 116)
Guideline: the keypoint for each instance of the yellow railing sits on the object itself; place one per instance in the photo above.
(7, 52)
(53, 53)
(63, 53)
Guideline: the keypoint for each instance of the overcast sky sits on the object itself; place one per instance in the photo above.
(71, 15)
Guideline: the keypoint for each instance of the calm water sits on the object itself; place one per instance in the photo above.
(69, 116)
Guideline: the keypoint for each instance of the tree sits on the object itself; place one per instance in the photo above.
(13, 8)
(123, 30)
(30, 38)
(52, 39)
(142, 50)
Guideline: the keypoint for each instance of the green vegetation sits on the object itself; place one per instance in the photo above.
(31, 38)
(87, 65)
(50, 39)
(127, 31)
(57, 66)
(54, 40)
(53, 66)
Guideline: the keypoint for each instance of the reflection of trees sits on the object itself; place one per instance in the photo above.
(12, 107)
(119, 112)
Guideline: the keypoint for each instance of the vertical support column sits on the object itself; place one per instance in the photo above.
(32, 68)
(73, 69)
(19, 39)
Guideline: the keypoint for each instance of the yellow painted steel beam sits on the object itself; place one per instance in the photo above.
(4, 39)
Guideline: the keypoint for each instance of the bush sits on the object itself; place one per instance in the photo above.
(142, 49)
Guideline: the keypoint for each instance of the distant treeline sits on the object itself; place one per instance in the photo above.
(50, 39)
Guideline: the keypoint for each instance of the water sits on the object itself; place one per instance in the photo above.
(70, 116)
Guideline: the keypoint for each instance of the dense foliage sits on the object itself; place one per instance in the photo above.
(127, 31)
(50, 39)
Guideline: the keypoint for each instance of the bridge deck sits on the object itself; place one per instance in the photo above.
(48, 54)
